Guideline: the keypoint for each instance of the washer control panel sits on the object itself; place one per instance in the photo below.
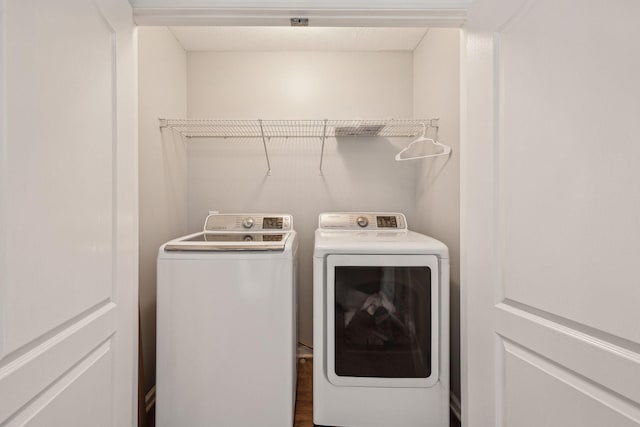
(249, 221)
(362, 221)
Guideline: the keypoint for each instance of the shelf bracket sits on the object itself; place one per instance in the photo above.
(264, 144)
(324, 137)
(435, 123)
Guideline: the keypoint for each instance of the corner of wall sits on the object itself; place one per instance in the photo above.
(436, 70)
(162, 161)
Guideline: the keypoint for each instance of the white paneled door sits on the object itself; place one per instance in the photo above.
(68, 213)
(551, 214)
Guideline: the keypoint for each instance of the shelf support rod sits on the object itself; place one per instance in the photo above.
(324, 136)
(264, 144)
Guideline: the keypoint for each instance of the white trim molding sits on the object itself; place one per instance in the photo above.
(308, 4)
(326, 14)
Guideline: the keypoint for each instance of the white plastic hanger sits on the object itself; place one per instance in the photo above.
(446, 150)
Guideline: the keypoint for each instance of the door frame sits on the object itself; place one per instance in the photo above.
(351, 13)
(480, 223)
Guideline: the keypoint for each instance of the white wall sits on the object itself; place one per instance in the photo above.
(163, 175)
(359, 174)
(436, 81)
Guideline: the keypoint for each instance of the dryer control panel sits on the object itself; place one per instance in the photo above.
(248, 222)
(362, 221)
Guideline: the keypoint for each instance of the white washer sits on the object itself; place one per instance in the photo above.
(381, 323)
(226, 324)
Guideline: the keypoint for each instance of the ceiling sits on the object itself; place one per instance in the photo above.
(298, 38)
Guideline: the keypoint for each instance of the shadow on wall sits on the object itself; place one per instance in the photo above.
(369, 164)
(174, 156)
(230, 175)
(432, 172)
(432, 167)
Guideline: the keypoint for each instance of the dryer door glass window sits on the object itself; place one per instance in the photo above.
(382, 321)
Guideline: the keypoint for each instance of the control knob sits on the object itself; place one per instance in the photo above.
(362, 221)
(248, 222)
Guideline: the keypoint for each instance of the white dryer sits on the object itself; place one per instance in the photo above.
(226, 324)
(381, 323)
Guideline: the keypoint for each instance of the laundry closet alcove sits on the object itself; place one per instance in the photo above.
(368, 92)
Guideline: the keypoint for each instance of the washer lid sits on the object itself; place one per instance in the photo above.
(226, 242)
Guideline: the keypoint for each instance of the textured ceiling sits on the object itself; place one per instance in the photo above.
(292, 38)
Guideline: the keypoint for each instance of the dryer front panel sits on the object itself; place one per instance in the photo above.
(382, 320)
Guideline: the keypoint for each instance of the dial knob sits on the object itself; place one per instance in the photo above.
(362, 221)
(248, 238)
(248, 222)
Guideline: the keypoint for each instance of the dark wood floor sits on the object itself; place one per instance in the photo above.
(304, 398)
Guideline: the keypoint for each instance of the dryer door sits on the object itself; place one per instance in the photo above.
(382, 320)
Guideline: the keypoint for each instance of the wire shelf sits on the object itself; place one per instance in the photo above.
(204, 128)
(322, 129)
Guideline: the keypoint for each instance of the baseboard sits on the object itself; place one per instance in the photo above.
(150, 399)
(454, 404)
